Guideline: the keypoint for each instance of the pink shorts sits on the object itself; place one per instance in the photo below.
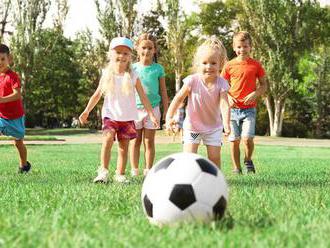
(144, 119)
(123, 129)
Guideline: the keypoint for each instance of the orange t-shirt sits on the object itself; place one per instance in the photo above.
(242, 77)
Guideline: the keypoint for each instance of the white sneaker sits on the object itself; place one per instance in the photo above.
(145, 172)
(120, 178)
(102, 176)
(135, 172)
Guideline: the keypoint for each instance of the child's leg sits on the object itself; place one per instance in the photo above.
(190, 147)
(107, 142)
(249, 147)
(235, 154)
(122, 156)
(21, 148)
(149, 147)
(135, 149)
(213, 154)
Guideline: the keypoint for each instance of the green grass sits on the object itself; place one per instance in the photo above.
(286, 204)
(34, 138)
(59, 131)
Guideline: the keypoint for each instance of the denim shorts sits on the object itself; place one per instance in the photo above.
(14, 128)
(242, 123)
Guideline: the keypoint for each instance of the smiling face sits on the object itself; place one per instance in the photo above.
(242, 48)
(4, 62)
(209, 64)
(121, 57)
(146, 51)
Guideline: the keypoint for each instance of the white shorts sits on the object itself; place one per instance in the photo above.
(213, 138)
(144, 119)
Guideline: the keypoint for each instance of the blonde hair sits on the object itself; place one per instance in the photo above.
(215, 45)
(147, 36)
(242, 36)
(107, 80)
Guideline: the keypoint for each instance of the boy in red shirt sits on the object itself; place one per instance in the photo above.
(11, 107)
(242, 74)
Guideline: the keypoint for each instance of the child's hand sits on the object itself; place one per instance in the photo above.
(232, 101)
(83, 117)
(154, 121)
(0, 99)
(227, 130)
(250, 98)
(170, 124)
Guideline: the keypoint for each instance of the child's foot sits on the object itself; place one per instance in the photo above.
(120, 178)
(237, 171)
(102, 176)
(135, 172)
(145, 172)
(24, 168)
(250, 166)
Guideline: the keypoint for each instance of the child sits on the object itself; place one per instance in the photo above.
(207, 95)
(242, 73)
(119, 108)
(11, 107)
(152, 77)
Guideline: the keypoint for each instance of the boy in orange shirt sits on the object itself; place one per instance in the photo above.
(242, 74)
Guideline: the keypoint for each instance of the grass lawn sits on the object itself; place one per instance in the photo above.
(286, 204)
(34, 138)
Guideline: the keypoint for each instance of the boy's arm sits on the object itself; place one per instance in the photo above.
(146, 103)
(250, 98)
(178, 99)
(16, 95)
(225, 112)
(163, 93)
(95, 98)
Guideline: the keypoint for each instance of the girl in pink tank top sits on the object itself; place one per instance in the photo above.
(207, 112)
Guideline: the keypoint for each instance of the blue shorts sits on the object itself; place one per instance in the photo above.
(15, 128)
(242, 123)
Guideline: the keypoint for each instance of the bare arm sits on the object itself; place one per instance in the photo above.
(95, 98)
(225, 111)
(250, 98)
(163, 94)
(145, 101)
(16, 95)
(178, 99)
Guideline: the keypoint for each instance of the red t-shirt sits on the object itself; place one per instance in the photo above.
(242, 77)
(9, 80)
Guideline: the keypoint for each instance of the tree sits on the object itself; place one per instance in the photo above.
(177, 33)
(4, 16)
(283, 31)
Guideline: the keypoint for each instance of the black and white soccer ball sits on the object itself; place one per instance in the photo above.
(184, 187)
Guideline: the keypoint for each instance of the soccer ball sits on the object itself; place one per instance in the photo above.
(184, 187)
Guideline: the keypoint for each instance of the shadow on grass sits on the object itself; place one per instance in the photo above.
(60, 131)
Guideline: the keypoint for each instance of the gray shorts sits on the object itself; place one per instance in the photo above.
(242, 123)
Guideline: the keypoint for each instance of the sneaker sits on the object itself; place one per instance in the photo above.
(135, 172)
(25, 168)
(145, 172)
(120, 178)
(102, 176)
(249, 166)
(237, 171)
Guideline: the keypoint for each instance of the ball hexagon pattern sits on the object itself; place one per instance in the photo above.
(184, 187)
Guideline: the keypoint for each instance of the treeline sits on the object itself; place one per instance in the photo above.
(290, 38)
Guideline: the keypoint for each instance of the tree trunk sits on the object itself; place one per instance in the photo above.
(275, 109)
(177, 81)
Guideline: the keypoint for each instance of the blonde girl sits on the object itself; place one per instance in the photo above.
(152, 76)
(207, 101)
(119, 108)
